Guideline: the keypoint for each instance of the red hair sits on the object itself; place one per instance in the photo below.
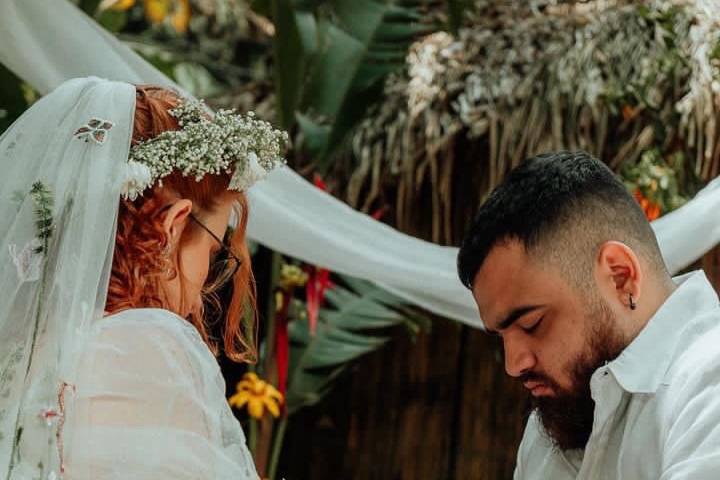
(139, 260)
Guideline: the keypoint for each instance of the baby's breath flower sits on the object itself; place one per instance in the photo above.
(225, 143)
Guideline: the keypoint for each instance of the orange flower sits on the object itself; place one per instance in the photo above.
(651, 209)
(629, 112)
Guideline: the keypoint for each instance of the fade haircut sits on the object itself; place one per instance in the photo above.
(561, 207)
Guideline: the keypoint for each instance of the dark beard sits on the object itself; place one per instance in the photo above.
(567, 418)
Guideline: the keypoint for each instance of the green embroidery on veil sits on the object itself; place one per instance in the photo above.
(43, 207)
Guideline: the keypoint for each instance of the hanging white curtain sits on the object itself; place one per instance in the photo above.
(46, 42)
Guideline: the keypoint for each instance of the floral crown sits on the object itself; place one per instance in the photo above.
(224, 143)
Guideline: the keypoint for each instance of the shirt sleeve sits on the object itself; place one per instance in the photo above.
(149, 405)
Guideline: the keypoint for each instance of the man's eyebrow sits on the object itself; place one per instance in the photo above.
(513, 317)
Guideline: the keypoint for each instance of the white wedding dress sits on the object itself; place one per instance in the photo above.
(150, 404)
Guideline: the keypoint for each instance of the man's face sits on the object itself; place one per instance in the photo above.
(554, 337)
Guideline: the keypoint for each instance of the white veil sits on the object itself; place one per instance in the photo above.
(60, 191)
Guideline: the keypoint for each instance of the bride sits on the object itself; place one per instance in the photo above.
(116, 201)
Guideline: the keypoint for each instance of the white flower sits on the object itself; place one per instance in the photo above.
(27, 261)
(138, 177)
(245, 178)
(211, 145)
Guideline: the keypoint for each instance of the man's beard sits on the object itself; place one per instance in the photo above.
(567, 417)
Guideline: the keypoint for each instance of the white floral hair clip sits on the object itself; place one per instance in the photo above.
(224, 143)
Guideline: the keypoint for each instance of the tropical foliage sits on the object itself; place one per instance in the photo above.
(414, 110)
(346, 331)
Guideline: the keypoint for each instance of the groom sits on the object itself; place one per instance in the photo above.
(622, 361)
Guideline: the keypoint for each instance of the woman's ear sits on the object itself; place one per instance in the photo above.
(176, 218)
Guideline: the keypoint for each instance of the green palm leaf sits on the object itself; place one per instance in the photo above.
(354, 323)
(331, 58)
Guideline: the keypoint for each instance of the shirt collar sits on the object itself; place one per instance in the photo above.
(642, 366)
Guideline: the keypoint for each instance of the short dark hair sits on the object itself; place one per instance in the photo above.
(558, 201)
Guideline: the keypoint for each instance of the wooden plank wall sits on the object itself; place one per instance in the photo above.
(441, 408)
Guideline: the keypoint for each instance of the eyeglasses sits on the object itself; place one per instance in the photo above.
(222, 270)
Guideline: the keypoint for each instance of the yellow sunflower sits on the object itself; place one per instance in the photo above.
(258, 395)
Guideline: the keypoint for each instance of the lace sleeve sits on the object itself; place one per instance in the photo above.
(150, 404)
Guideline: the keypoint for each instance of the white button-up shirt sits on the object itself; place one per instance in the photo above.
(657, 406)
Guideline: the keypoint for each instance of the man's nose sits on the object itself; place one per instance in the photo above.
(518, 358)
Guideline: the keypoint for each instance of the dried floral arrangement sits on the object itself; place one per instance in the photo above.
(615, 78)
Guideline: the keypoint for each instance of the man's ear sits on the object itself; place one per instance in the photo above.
(619, 269)
(176, 218)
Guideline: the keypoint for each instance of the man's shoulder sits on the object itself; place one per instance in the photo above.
(698, 352)
(694, 370)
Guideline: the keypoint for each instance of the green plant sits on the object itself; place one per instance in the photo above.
(331, 60)
(355, 323)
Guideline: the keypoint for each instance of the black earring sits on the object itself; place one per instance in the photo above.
(633, 305)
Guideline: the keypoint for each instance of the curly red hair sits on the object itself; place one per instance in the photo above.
(139, 263)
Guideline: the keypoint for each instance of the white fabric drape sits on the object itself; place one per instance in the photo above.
(48, 41)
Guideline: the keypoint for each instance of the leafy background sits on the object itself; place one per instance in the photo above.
(412, 111)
